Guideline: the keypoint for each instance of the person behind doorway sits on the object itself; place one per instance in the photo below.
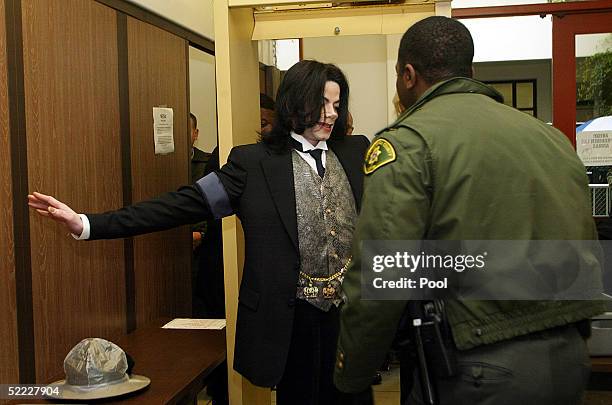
(460, 165)
(267, 112)
(297, 193)
(199, 159)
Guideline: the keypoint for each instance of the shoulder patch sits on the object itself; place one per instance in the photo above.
(380, 153)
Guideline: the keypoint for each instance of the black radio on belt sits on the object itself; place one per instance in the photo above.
(437, 340)
(431, 339)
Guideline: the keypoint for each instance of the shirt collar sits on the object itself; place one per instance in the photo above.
(306, 146)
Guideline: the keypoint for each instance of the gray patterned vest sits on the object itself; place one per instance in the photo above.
(326, 217)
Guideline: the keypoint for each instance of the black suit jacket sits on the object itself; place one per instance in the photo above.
(259, 185)
(199, 161)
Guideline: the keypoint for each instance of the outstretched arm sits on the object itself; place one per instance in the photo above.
(166, 211)
(213, 196)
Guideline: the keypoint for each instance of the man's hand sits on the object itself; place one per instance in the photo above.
(47, 206)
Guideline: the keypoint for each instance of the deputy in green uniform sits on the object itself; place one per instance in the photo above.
(460, 165)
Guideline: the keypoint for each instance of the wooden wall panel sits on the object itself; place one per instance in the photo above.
(9, 371)
(157, 71)
(72, 123)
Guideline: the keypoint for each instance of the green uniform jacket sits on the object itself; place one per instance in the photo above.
(460, 165)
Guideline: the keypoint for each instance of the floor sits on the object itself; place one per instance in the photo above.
(386, 393)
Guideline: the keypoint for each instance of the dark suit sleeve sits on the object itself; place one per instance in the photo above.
(213, 196)
(169, 210)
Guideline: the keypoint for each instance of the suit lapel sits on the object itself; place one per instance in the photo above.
(352, 162)
(278, 171)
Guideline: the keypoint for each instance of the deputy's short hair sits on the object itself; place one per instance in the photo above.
(438, 48)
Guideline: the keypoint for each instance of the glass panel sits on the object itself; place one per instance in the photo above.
(506, 90)
(594, 100)
(593, 76)
(524, 95)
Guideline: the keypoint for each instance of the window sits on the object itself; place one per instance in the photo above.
(520, 94)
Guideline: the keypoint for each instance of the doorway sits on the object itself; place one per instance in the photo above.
(569, 32)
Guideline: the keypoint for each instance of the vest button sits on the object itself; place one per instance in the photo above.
(478, 332)
(328, 211)
(332, 232)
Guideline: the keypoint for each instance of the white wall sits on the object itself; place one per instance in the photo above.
(511, 38)
(522, 38)
(203, 97)
(266, 50)
(393, 42)
(363, 61)
(287, 53)
(196, 15)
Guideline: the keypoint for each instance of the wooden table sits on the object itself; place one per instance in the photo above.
(601, 364)
(600, 385)
(178, 362)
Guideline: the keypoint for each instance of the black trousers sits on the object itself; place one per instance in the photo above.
(308, 376)
(550, 367)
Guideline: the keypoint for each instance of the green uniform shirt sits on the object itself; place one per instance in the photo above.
(460, 165)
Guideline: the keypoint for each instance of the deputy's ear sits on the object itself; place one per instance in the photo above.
(409, 76)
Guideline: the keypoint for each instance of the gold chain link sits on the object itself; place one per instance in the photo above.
(329, 278)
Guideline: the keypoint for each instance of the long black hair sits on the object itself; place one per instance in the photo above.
(300, 99)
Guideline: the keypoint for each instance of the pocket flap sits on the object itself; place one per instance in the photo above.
(249, 298)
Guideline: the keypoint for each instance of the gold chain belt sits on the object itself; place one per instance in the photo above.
(328, 278)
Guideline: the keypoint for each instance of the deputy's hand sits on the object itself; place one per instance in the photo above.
(47, 206)
(197, 239)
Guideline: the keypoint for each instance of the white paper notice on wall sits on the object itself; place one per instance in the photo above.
(163, 130)
(594, 147)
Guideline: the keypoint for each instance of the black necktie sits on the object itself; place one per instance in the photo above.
(315, 153)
